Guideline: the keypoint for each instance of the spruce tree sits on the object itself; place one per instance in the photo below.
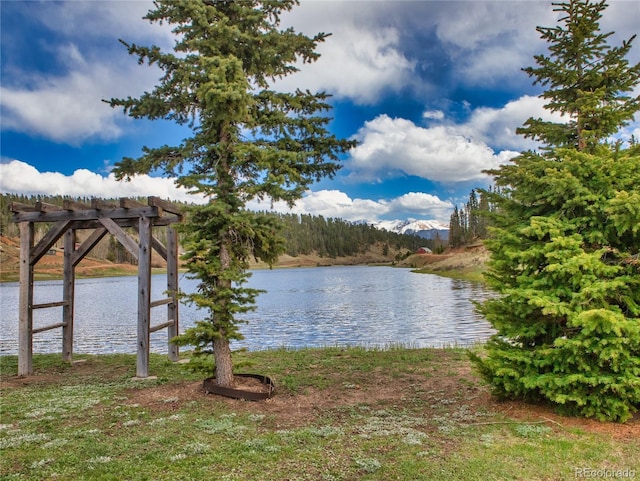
(247, 141)
(457, 231)
(587, 80)
(565, 238)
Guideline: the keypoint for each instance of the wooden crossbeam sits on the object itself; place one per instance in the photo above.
(86, 214)
(126, 241)
(164, 205)
(161, 302)
(48, 240)
(69, 204)
(49, 304)
(161, 326)
(100, 204)
(88, 244)
(44, 207)
(20, 207)
(48, 328)
(127, 203)
(156, 221)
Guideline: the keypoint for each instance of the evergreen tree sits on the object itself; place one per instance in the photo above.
(586, 78)
(484, 210)
(566, 237)
(473, 216)
(248, 141)
(456, 229)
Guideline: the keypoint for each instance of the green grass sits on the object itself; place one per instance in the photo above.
(474, 274)
(330, 420)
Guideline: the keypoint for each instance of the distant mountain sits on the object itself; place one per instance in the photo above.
(427, 229)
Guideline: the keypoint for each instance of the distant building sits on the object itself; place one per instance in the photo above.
(424, 250)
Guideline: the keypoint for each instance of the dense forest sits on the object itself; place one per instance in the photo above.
(304, 234)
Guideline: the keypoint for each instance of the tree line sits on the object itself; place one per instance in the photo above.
(302, 234)
(471, 222)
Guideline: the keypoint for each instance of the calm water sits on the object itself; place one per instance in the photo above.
(305, 307)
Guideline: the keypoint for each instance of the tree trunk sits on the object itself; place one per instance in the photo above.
(221, 346)
(224, 366)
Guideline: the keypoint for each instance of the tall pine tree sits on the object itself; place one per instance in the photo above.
(587, 80)
(248, 141)
(566, 236)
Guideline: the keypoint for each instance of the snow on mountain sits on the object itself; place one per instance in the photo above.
(427, 229)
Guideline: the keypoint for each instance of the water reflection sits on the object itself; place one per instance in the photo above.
(312, 307)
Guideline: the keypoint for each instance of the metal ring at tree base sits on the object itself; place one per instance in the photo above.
(210, 387)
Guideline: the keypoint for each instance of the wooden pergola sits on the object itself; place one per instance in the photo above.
(103, 218)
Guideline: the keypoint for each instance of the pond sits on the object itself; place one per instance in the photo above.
(370, 306)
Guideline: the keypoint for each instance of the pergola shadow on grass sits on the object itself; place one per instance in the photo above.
(102, 218)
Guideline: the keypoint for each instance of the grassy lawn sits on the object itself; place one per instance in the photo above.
(338, 414)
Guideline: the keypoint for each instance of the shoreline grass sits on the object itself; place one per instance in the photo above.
(338, 414)
(472, 274)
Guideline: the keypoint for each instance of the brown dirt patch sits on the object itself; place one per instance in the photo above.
(435, 394)
(445, 386)
(472, 257)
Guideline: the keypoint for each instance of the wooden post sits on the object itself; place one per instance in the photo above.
(25, 311)
(68, 291)
(172, 288)
(144, 296)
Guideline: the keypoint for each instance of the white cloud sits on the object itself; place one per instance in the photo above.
(21, 178)
(360, 60)
(113, 20)
(497, 126)
(433, 114)
(68, 108)
(89, 64)
(337, 204)
(446, 152)
(389, 147)
(492, 41)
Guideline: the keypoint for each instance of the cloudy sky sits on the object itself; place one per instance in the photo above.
(433, 92)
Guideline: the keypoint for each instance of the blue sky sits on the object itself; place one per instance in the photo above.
(433, 91)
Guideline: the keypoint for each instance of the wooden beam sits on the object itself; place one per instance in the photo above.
(159, 248)
(144, 296)
(100, 204)
(161, 302)
(69, 204)
(164, 205)
(25, 313)
(127, 203)
(89, 243)
(161, 326)
(172, 289)
(86, 214)
(124, 239)
(48, 328)
(48, 240)
(49, 304)
(124, 223)
(69, 286)
(44, 207)
(20, 207)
